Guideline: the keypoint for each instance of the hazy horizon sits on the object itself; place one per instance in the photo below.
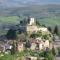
(14, 3)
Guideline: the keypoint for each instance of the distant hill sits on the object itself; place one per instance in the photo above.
(42, 12)
(33, 10)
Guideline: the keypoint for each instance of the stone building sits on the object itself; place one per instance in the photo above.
(29, 25)
(33, 46)
(20, 46)
(31, 21)
(32, 27)
(40, 45)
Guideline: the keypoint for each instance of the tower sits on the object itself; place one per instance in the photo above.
(31, 21)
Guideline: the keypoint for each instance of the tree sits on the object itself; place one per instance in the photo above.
(43, 25)
(45, 37)
(49, 28)
(28, 44)
(53, 51)
(37, 23)
(34, 35)
(22, 37)
(49, 56)
(21, 22)
(13, 50)
(11, 34)
(56, 30)
(58, 51)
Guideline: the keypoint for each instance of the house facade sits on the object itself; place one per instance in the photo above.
(20, 46)
(40, 45)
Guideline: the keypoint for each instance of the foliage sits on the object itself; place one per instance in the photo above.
(56, 30)
(58, 50)
(38, 23)
(41, 54)
(49, 56)
(43, 25)
(53, 51)
(11, 34)
(22, 37)
(28, 44)
(45, 37)
(50, 29)
(34, 35)
(7, 57)
(13, 50)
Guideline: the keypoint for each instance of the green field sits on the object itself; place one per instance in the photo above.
(9, 19)
(15, 20)
(50, 21)
(6, 21)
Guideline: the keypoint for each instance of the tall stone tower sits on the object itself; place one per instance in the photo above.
(31, 21)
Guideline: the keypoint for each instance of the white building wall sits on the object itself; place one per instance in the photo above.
(33, 46)
(20, 47)
(43, 29)
(46, 44)
(32, 21)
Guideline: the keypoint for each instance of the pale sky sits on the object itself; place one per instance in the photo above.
(26, 2)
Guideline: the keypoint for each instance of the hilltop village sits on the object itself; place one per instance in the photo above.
(32, 40)
(37, 35)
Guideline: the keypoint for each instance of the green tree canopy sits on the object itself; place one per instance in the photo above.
(50, 29)
(11, 34)
(28, 44)
(56, 30)
(49, 56)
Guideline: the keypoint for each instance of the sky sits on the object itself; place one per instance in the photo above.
(10, 3)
